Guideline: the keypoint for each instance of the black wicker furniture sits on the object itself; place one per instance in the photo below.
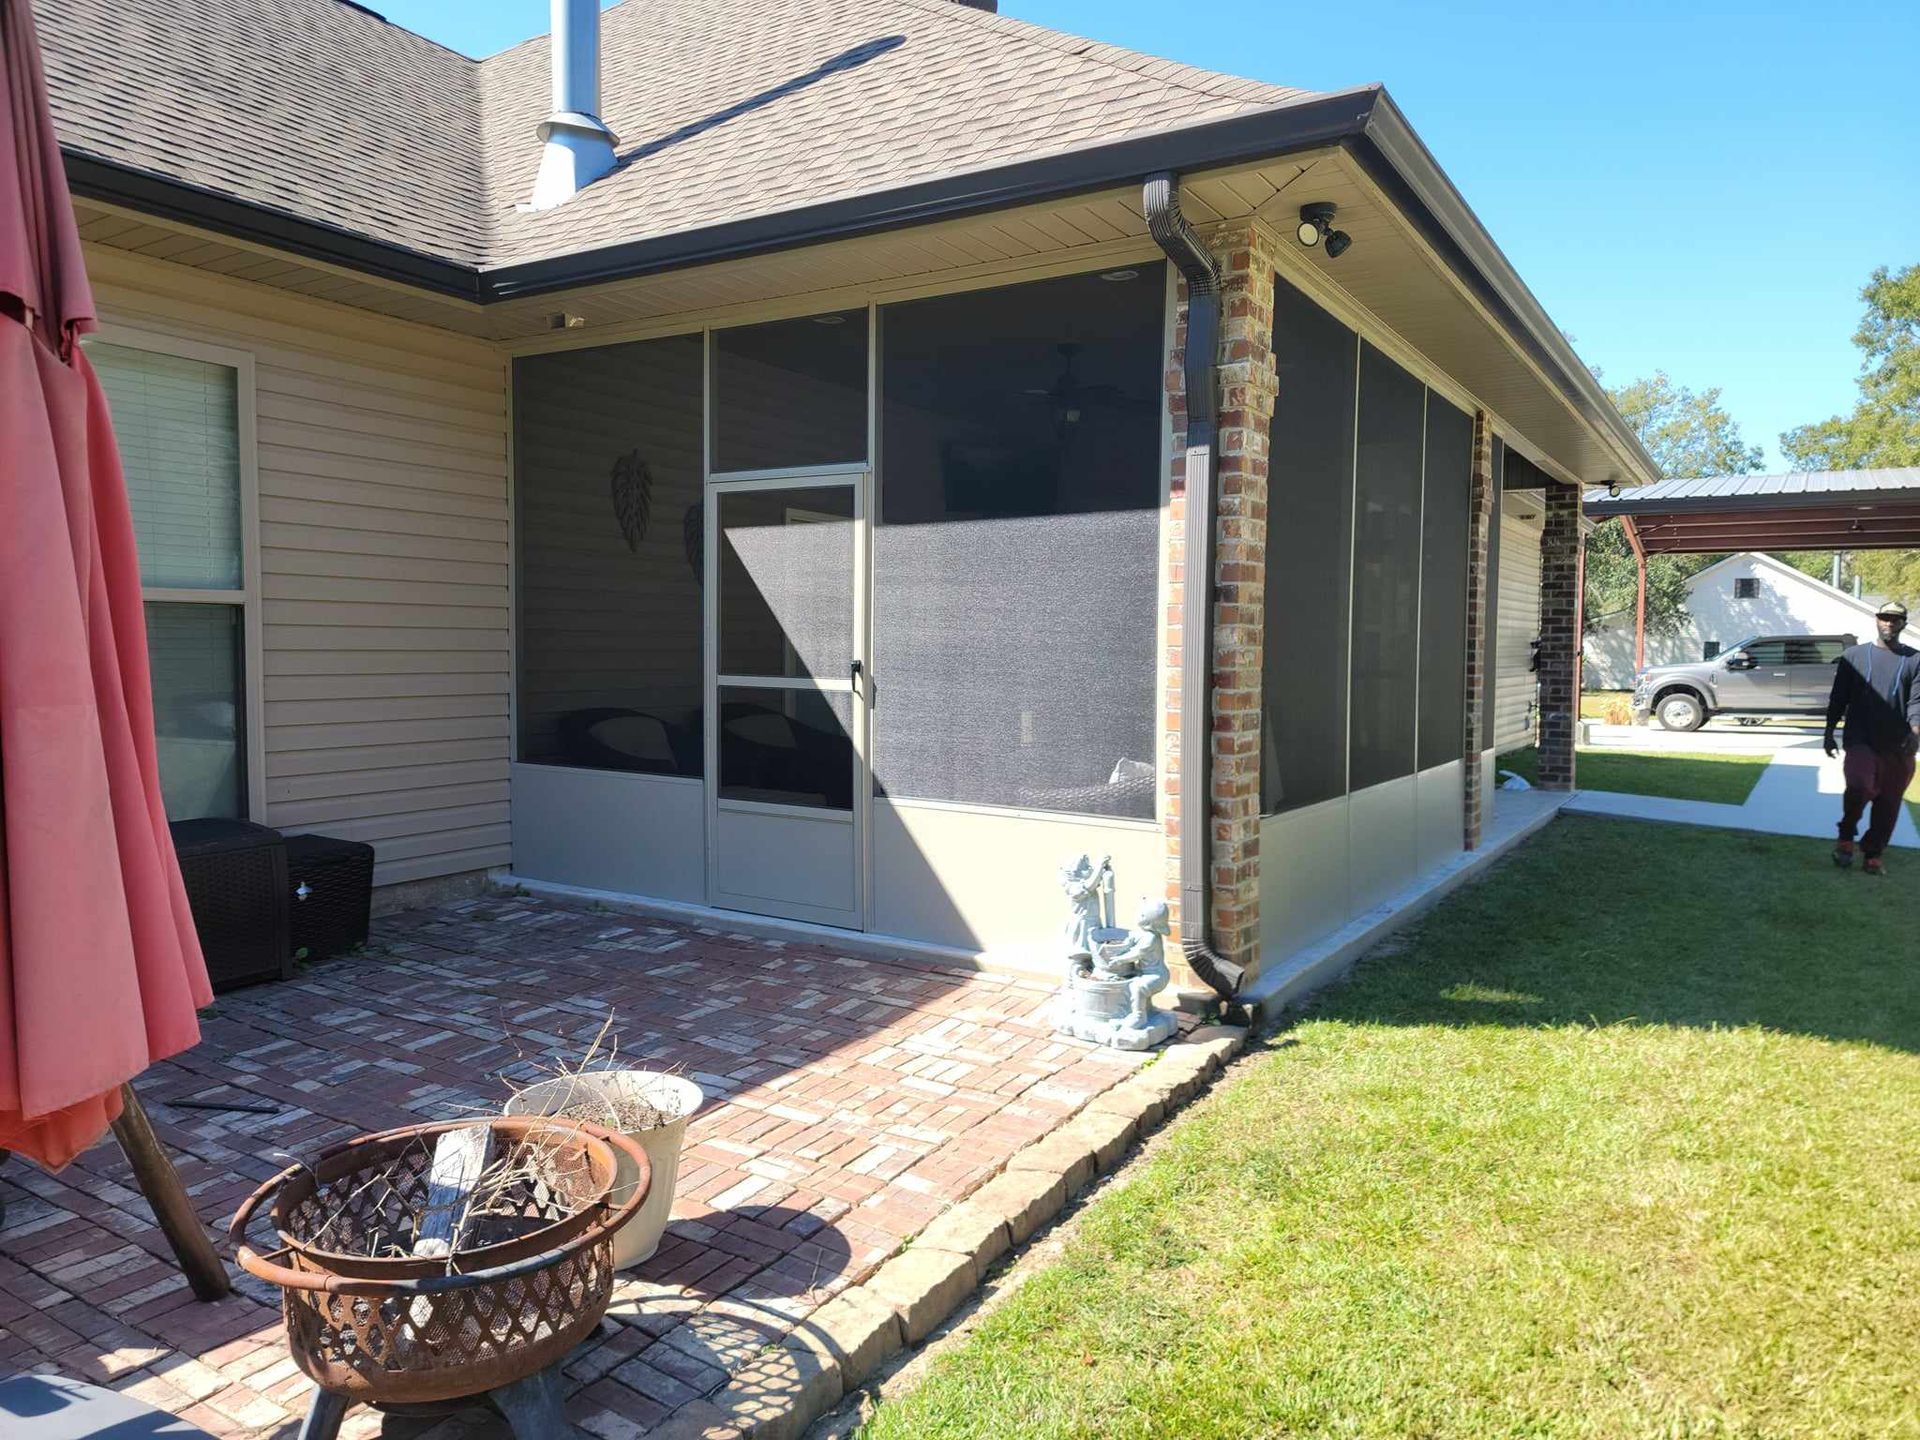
(331, 888)
(236, 879)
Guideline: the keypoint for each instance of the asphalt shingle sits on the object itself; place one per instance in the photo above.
(725, 109)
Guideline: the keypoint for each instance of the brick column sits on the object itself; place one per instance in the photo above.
(1561, 546)
(1247, 386)
(1484, 500)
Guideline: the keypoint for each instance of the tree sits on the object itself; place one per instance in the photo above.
(1884, 428)
(1894, 574)
(1688, 433)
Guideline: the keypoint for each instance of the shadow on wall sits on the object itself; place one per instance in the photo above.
(1589, 925)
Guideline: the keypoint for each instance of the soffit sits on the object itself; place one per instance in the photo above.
(1390, 283)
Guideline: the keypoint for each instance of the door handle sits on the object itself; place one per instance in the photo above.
(855, 671)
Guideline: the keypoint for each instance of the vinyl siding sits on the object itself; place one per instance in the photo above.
(382, 533)
(1518, 619)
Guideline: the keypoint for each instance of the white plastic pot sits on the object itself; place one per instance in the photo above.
(671, 1094)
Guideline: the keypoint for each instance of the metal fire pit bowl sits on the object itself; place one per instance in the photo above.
(368, 1321)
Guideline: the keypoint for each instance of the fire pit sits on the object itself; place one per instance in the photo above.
(400, 1289)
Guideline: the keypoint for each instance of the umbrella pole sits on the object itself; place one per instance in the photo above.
(160, 1183)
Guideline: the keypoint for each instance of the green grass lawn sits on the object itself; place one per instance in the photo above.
(1623, 1141)
(1726, 779)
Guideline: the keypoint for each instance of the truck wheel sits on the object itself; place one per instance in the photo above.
(1680, 710)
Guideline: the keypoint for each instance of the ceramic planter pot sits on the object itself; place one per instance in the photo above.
(625, 1100)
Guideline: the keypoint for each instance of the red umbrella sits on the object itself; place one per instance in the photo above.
(100, 970)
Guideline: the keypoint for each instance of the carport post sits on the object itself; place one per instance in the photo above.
(1639, 595)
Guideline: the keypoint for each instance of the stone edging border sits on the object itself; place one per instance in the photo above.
(778, 1394)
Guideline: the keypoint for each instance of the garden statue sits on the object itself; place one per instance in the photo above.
(1087, 886)
(1112, 975)
(1141, 961)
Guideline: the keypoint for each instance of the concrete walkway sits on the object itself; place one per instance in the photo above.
(1797, 794)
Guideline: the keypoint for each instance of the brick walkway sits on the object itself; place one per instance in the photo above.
(849, 1102)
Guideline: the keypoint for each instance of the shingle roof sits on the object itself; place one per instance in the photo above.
(725, 109)
(314, 107)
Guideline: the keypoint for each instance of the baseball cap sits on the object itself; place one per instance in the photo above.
(1892, 608)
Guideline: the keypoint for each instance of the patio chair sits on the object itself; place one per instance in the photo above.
(48, 1407)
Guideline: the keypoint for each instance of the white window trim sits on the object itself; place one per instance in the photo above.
(247, 597)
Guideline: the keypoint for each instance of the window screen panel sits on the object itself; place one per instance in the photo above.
(609, 542)
(791, 392)
(1309, 557)
(786, 582)
(177, 424)
(1446, 497)
(199, 702)
(786, 747)
(1490, 662)
(1386, 579)
(1016, 553)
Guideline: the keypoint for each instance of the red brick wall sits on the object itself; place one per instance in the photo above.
(1247, 387)
(1561, 546)
(1484, 500)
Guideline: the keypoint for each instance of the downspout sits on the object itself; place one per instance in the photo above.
(1192, 808)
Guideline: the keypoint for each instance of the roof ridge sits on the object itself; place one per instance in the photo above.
(392, 24)
(1083, 47)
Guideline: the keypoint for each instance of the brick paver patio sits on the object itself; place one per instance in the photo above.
(850, 1101)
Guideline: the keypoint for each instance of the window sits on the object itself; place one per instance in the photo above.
(177, 421)
(1746, 588)
(791, 393)
(1016, 545)
(1710, 650)
(1309, 557)
(1810, 651)
(1766, 652)
(1386, 577)
(609, 533)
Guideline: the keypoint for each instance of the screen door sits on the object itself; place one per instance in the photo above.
(787, 696)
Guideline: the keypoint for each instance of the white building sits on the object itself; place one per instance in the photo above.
(1744, 595)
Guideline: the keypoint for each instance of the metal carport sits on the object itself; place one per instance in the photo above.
(1805, 510)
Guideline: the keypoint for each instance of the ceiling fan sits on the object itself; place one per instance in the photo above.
(1069, 397)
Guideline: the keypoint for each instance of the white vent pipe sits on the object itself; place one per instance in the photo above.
(578, 146)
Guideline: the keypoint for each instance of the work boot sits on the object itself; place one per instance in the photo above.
(1873, 866)
(1843, 854)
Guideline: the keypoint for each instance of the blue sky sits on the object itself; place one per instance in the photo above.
(1700, 188)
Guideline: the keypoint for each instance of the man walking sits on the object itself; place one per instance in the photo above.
(1876, 689)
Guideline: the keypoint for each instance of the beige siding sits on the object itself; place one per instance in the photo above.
(1518, 619)
(382, 533)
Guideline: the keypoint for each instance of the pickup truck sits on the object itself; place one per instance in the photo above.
(1766, 676)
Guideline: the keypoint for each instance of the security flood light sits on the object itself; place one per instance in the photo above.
(1316, 224)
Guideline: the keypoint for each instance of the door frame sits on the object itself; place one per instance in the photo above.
(857, 476)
